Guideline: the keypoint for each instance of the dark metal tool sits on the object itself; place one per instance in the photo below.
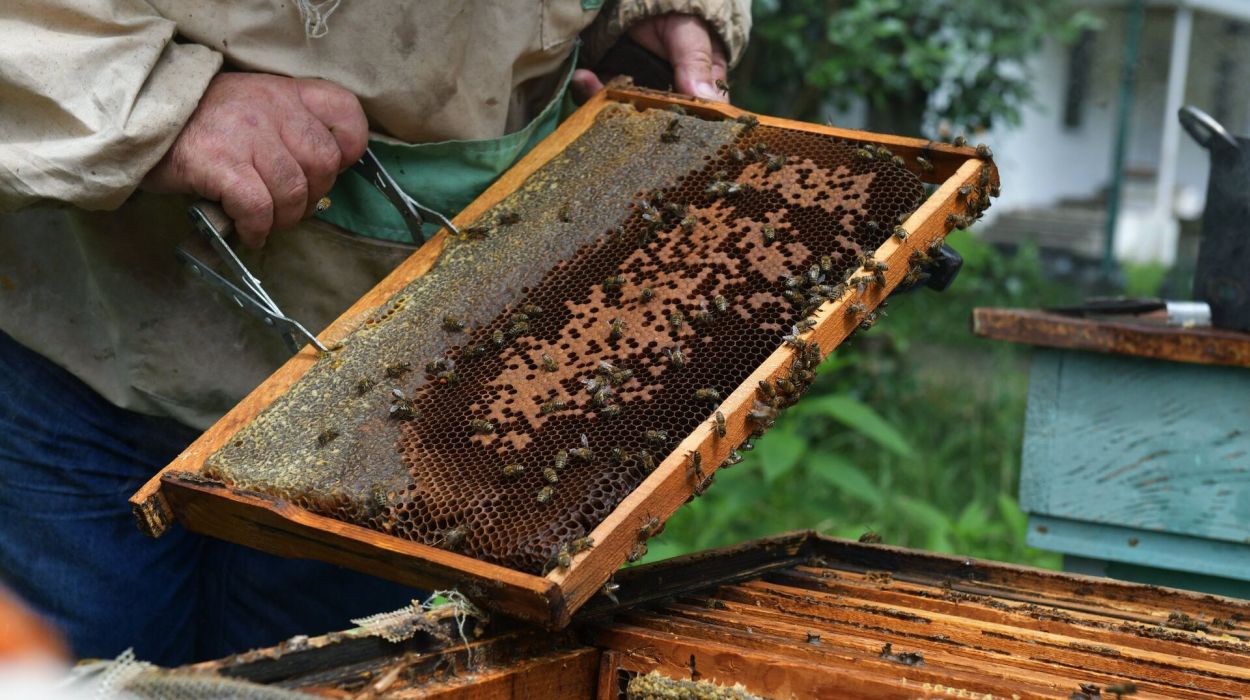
(215, 227)
(1222, 277)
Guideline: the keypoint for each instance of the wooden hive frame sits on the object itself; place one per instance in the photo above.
(277, 526)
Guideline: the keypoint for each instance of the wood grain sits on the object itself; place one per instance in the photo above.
(1205, 346)
(279, 526)
(1157, 446)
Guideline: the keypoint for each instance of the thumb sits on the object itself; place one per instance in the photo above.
(697, 61)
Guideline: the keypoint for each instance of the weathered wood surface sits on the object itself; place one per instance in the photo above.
(1139, 443)
(279, 526)
(1207, 346)
(984, 630)
(817, 624)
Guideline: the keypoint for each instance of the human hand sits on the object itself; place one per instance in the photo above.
(267, 147)
(686, 42)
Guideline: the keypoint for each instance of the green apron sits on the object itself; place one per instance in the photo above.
(444, 176)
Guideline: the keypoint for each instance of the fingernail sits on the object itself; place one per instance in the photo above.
(707, 91)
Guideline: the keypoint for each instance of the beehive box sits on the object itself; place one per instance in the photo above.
(801, 615)
(514, 410)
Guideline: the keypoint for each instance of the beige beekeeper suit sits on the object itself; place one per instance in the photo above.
(93, 92)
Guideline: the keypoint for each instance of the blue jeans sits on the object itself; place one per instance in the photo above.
(70, 548)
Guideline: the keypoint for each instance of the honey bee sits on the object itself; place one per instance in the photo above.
(925, 164)
(879, 277)
(649, 528)
(544, 495)
(402, 408)
(616, 329)
(669, 135)
(722, 86)
(958, 221)
(563, 558)
(965, 191)
(656, 437)
(785, 387)
(453, 537)
(565, 213)
(398, 369)
(707, 394)
(618, 455)
(638, 551)
(719, 419)
(451, 324)
(446, 377)
(518, 328)
(864, 154)
(769, 234)
(481, 427)
(766, 390)
(900, 233)
(959, 141)
(805, 324)
(720, 303)
(750, 121)
(856, 308)
(647, 294)
(794, 297)
(696, 466)
(532, 310)
(552, 406)
(549, 363)
(613, 283)
(762, 414)
(584, 454)
(734, 458)
(611, 410)
(898, 161)
(609, 590)
(702, 317)
(326, 437)
(549, 473)
(995, 190)
(913, 276)
(984, 151)
(868, 321)
(581, 544)
(774, 163)
(870, 537)
(676, 320)
(476, 232)
(746, 446)
(512, 471)
(497, 338)
(601, 398)
(472, 351)
(592, 384)
(507, 217)
(561, 459)
(364, 384)
(861, 283)
(646, 460)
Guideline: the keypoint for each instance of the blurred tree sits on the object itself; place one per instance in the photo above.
(963, 62)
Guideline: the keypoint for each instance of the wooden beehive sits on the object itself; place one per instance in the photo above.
(624, 194)
(801, 615)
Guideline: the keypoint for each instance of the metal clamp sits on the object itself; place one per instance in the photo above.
(210, 221)
(413, 212)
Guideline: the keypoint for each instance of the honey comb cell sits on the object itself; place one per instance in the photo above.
(609, 304)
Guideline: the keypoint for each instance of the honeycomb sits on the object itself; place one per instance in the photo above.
(532, 425)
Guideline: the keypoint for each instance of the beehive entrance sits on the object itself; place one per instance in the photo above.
(533, 425)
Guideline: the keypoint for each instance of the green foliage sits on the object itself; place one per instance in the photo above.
(1145, 279)
(966, 60)
(912, 430)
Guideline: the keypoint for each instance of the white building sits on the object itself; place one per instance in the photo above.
(1056, 164)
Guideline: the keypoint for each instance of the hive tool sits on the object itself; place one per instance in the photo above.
(214, 226)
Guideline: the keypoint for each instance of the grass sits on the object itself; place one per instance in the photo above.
(912, 430)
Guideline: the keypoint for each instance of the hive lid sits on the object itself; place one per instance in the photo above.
(638, 296)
